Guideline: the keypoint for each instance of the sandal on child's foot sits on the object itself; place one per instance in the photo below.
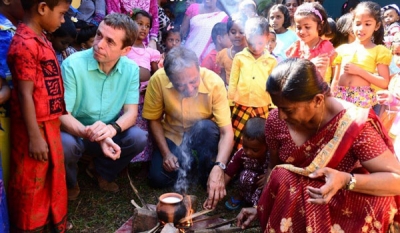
(233, 204)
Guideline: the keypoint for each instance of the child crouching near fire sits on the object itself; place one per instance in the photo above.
(251, 163)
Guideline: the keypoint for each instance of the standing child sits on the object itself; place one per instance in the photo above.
(147, 59)
(250, 71)
(251, 163)
(172, 38)
(272, 44)
(235, 27)
(357, 63)
(391, 17)
(312, 23)
(390, 98)
(220, 38)
(38, 183)
(279, 20)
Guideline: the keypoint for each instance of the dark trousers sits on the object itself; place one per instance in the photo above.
(132, 141)
(200, 144)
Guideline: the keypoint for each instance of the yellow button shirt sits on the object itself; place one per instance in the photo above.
(179, 114)
(247, 84)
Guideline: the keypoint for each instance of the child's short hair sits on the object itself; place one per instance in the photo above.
(286, 14)
(254, 129)
(66, 29)
(28, 4)
(317, 12)
(256, 26)
(219, 29)
(86, 33)
(144, 13)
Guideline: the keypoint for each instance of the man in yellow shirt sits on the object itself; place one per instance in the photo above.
(188, 113)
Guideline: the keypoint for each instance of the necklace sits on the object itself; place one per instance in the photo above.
(322, 116)
(140, 54)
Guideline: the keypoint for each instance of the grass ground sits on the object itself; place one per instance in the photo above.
(103, 212)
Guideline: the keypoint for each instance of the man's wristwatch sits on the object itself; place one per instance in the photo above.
(352, 182)
(221, 165)
(116, 127)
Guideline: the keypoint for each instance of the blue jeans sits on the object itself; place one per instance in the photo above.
(132, 141)
(200, 143)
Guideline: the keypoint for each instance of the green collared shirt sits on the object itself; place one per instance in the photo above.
(92, 95)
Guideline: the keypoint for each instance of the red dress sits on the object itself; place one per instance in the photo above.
(283, 205)
(37, 189)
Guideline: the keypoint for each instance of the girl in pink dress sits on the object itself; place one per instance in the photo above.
(311, 23)
(147, 60)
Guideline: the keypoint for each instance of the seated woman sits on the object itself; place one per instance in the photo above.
(333, 167)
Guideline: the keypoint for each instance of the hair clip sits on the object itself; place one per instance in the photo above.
(74, 19)
(308, 7)
(170, 26)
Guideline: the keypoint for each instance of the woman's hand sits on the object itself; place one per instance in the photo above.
(262, 180)
(170, 162)
(334, 181)
(246, 216)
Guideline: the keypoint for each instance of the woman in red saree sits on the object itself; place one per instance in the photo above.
(336, 171)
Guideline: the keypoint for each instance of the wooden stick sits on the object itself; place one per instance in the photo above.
(137, 192)
(135, 204)
(216, 225)
(207, 218)
(194, 215)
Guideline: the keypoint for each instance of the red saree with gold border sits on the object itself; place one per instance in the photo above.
(350, 137)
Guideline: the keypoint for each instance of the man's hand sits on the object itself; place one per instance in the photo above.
(38, 149)
(110, 149)
(99, 131)
(170, 162)
(215, 188)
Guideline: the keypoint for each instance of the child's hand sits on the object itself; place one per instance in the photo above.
(352, 69)
(38, 149)
(262, 180)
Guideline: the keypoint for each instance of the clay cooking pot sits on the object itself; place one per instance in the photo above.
(171, 208)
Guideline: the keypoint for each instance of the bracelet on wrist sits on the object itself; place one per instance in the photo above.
(116, 127)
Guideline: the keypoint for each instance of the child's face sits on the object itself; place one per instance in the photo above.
(364, 25)
(236, 35)
(306, 28)
(390, 16)
(52, 19)
(271, 42)
(144, 26)
(292, 6)
(257, 44)
(276, 19)
(88, 44)
(396, 53)
(224, 41)
(173, 40)
(254, 149)
(61, 43)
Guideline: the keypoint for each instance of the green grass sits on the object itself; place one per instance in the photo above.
(99, 211)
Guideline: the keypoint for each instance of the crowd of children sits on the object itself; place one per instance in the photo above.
(353, 54)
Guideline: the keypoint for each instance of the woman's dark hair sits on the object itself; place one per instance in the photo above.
(282, 8)
(349, 5)
(375, 12)
(333, 29)
(343, 30)
(254, 129)
(166, 33)
(85, 33)
(66, 29)
(296, 80)
(298, 2)
(305, 9)
(146, 14)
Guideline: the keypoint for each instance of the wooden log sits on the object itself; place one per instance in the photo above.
(169, 228)
(143, 220)
(218, 230)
